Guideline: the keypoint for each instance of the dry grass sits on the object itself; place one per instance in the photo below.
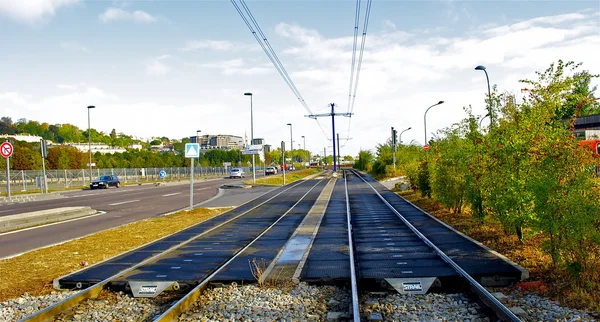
(34, 271)
(290, 176)
(544, 278)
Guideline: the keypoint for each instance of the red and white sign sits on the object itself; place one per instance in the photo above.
(6, 149)
(426, 147)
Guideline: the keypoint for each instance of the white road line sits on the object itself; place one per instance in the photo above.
(171, 194)
(5, 210)
(120, 203)
(52, 224)
(204, 188)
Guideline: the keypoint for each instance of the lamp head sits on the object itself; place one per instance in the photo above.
(480, 67)
(440, 102)
(248, 94)
(91, 106)
(290, 124)
(409, 128)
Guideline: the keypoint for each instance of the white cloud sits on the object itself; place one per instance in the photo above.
(237, 67)
(69, 45)
(218, 45)
(114, 14)
(157, 66)
(32, 10)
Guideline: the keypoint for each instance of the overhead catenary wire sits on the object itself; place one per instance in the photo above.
(356, 23)
(360, 59)
(270, 52)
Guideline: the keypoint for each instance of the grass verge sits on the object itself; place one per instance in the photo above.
(290, 176)
(34, 271)
(544, 278)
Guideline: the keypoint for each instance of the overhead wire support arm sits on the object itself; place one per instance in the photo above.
(333, 114)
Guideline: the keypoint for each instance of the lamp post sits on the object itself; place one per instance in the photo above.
(425, 119)
(291, 144)
(480, 67)
(400, 136)
(252, 137)
(90, 141)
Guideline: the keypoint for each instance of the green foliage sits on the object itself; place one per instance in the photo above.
(423, 179)
(365, 160)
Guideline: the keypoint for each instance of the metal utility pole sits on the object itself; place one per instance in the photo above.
(339, 153)
(394, 147)
(43, 149)
(324, 157)
(90, 141)
(333, 115)
(291, 145)
(252, 138)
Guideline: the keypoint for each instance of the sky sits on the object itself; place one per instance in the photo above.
(171, 68)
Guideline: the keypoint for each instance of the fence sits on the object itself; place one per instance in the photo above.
(29, 180)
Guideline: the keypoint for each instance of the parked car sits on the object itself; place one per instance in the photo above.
(237, 173)
(106, 181)
(270, 170)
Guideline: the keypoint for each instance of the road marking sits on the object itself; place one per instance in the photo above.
(204, 188)
(120, 203)
(51, 224)
(5, 210)
(171, 194)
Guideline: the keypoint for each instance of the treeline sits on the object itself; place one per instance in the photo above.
(27, 156)
(525, 171)
(61, 133)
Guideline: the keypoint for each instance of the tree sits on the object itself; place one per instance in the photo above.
(6, 125)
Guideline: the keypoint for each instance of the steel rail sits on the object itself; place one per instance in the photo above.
(185, 302)
(92, 291)
(355, 302)
(492, 302)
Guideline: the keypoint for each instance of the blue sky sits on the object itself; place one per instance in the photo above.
(169, 68)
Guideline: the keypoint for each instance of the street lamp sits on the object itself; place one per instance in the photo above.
(425, 119)
(252, 137)
(400, 137)
(291, 145)
(480, 67)
(90, 141)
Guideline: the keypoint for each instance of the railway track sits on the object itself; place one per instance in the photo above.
(376, 219)
(251, 225)
(376, 247)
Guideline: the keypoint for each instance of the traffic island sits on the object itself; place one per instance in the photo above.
(42, 217)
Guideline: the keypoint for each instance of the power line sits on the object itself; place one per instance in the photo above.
(362, 49)
(356, 22)
(270, 52)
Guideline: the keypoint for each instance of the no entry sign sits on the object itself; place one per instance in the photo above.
(6, 149)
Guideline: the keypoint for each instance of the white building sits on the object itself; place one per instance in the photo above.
(22, 137)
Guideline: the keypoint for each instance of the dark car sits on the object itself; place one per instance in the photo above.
(105, 181)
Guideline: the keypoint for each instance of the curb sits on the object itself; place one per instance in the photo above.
(36, 218)
(30, 197)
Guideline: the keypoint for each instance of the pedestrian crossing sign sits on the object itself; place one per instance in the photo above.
(192, 150)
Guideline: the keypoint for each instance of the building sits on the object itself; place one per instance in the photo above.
(219, 141)
(267, 148)
(101, 147)
(587, 127)
(258, 141)
(22, 137)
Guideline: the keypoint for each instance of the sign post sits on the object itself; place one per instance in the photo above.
(6, 149)
(192, 150)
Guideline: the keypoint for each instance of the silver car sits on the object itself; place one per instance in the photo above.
(237, 173)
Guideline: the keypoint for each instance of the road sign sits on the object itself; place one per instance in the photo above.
(192, 150)
(162, 174)
(226, 164)
(426, 147)
(6, 149)
(251, 152)
(93, 164)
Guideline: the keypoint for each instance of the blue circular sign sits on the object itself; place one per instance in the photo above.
(162, 174)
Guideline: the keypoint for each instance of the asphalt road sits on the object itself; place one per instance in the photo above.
(120, 206)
